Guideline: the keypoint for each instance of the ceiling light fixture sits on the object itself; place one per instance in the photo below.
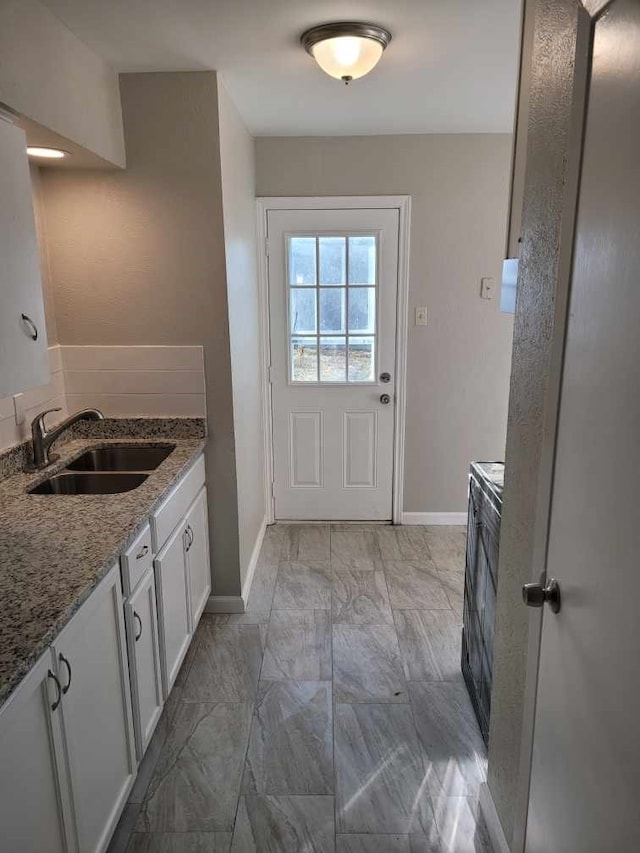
(346, 50)
(48, 153)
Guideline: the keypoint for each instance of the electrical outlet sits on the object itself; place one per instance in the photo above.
(421, 316)
(487, 288)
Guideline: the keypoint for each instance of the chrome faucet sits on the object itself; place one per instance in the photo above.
(42, 439)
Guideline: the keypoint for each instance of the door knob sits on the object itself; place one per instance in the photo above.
(535, 595)
(385, 399)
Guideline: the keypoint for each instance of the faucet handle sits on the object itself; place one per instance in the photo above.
(39, 419)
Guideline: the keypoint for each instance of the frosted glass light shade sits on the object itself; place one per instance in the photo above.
(347, 56)
(346, 50)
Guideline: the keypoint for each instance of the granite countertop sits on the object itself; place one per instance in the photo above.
(55, 549)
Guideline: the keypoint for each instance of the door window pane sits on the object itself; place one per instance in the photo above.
(302, 261)
(303, 311)
(362, 309)
(362, 259)
(333, 360)
(332, 309)
(304, 359)
(333, 260)
(361, 359)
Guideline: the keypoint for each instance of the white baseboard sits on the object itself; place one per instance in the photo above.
(253, 561)
(490, 815)
(452, 518)
(224, 604)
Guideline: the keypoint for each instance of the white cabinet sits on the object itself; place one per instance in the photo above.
(144, 660)
(197, 554)
(91, 664)
(66, 740)
(24, 359)
(35, 814)
(173, 606)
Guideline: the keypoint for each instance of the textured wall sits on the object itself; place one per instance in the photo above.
(137, 257)
(239, 211)
(51, 77)
(458, 366)
(547, 228)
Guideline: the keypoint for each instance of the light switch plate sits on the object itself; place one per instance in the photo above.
(487, 288)
(421, 316)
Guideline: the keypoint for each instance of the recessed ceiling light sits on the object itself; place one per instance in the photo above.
(48, 153)
(346, 50)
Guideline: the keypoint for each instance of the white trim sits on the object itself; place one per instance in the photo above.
(224, 604)
(253, 561)
(491, 819)
(402, 203)
(452, 518)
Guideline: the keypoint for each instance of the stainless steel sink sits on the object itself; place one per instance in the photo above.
(89, 484)
(121, 458)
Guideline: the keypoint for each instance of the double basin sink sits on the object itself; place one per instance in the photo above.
(105, 471)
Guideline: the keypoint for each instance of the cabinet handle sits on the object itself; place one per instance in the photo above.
(138, 635)
(63, 660)
(55, 704)
(142, 553)
(190, 537)
(33, 329)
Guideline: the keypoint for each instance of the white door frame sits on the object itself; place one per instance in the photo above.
(401, 203)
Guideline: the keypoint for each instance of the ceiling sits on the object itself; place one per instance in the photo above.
(451, 67)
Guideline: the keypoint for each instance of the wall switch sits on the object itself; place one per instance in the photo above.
(19, 408)
(487, 288)
(421, 316)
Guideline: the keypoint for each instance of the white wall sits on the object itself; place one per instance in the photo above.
(458, 366)
(239, 215)
(51, 77)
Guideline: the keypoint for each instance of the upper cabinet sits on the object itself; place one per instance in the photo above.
(24, 357)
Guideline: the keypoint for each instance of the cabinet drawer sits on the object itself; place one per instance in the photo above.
(173, 509)
(136, 560)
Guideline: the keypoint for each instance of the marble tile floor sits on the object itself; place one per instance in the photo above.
(331, 717)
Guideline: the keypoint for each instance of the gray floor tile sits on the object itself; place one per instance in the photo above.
(303, 586)
(262, 587)
(180, 842)
(121, 837)
(372, 844)
(454, 752)
(360, 598)
(426, 843)
(306, 542)
(367, 666)
(267, 824)
(251, 617)
(379, 771)
(404, 543)
(414, 586)
(271, 551)
(298, 646)
(447, 546)
(430, 644)
(453, 583)
(291, 743)
(197, 779)
(355, 549)
(147, 766)
(227, 665)
(461, 826)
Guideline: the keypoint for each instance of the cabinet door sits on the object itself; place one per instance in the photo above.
(173, 606)
(24, 362)
(144, 661)
(96, 709)
(34, 799)
(197, 546)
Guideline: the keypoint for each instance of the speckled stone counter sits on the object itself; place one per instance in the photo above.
(55, 549)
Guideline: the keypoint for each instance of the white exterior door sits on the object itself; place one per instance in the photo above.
(333, 281)
(586, 750)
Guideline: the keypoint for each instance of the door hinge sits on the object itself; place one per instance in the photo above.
(266, 246)
(273, 489)
(270, 374)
